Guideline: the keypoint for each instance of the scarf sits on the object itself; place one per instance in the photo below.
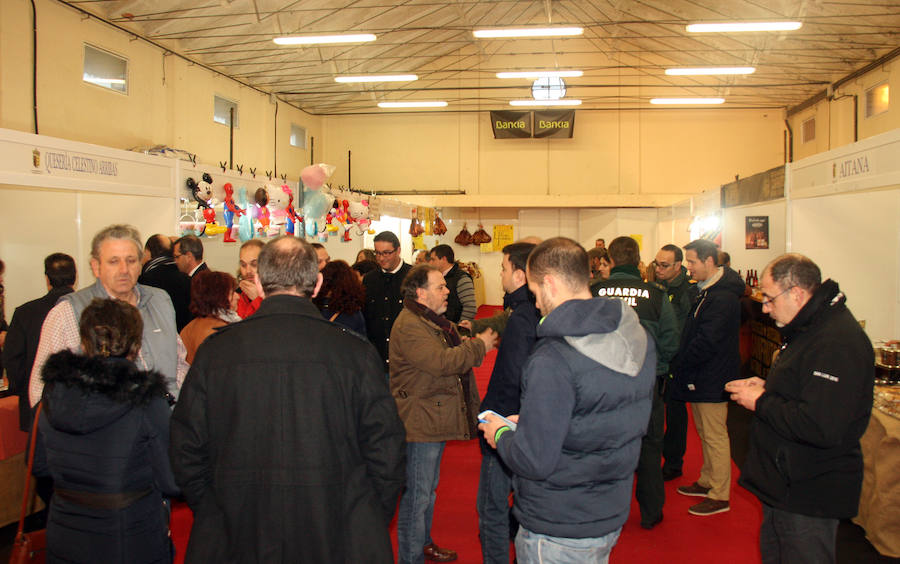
(439, 320)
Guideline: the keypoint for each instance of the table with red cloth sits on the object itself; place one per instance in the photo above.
(12, 460)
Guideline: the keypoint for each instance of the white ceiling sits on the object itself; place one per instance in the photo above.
(624, 51)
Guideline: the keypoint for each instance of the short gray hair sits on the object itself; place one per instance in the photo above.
(794, 269)
(118, 231)
(288, 264)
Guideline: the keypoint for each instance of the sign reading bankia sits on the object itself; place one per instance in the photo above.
(538, 125)
(511, 125)
(554, 124)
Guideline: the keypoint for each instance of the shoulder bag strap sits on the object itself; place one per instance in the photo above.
(25, 496)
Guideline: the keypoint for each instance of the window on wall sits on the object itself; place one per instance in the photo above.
(104, 69)
(808, 130)
(222, 111)
(298, 136)
(877, 99)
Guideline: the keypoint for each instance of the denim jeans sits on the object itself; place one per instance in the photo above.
(791, 538)
(493, 507)
(423, 469)
(534, 548)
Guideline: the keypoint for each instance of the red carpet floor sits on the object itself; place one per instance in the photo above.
(681, 538)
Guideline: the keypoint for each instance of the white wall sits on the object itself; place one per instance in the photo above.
(855, 239)
(734, 229)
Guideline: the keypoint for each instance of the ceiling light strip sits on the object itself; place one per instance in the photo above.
(378, 78)
(527, 32)
(324, 39)
(687, 101)
(429, 104)
(566, 102)
(541, 74)
(725, 27)
(697, 71)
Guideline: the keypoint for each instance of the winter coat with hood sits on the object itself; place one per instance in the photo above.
(710, 355)
(804, 454)
(105, 426)
(585, 404)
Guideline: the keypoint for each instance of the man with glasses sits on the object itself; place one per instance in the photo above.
(682, 293)
(804, 462)
(384, 301)
(710, 356)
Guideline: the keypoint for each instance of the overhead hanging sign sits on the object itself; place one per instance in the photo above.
(511, 125)
(554, 124)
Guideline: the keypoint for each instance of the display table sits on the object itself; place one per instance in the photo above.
(879, 504)
(12, 460)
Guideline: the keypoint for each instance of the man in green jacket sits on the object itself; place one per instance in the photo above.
(682, 293)
(651, 303)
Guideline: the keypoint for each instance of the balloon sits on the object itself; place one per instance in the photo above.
(314, 176)
(245, 222)
(315, 206)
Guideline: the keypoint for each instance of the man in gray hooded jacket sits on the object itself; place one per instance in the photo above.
(585, 404)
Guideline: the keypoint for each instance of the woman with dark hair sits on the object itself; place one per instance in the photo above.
(105, 427)
(341, 297)
(213, 302)
(364, 267)
(365, 254)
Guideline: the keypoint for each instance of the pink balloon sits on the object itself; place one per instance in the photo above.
(313, 177)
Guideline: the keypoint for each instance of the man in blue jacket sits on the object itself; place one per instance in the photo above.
(502, 396)
(708, 358)
(804, 462)
(573, 455)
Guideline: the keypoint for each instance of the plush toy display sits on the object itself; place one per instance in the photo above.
(291, 218)
(358, 213)
(245, 222)
(278, 202)
(261, 197)
(228, 213)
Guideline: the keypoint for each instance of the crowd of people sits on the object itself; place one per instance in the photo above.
(301, 405)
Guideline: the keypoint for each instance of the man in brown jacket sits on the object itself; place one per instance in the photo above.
(434, 387)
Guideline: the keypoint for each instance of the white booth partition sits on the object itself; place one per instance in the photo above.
(844, 213)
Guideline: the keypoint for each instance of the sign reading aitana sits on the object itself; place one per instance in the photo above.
(541, 124)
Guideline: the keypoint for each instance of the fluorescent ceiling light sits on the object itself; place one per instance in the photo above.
(320, 39)
(687, 101)
(743, 26)
(436, 104)
(566, 102)
(377, 78)
(527, 32)
(540, 74)
(710, 70)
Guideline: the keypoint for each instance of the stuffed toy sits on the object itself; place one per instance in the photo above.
(358, 213)
(228, 213)
(261, 197)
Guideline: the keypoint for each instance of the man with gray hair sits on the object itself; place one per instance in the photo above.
(804, 462)
(116, 263)
(305, 462)
(584, 408)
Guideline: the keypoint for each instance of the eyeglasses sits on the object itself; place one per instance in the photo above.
(768, 301)
(385, 253)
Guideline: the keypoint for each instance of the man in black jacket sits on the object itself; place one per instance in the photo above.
(804, 462)
(710, 356)
(384, 302)
(160, 271)
(25, 330)
(503, 396)
(303, 464)
(671, 273)
(461, 304)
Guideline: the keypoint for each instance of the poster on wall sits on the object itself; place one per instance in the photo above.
(757, 232)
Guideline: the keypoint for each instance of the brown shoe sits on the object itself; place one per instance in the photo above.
(694, 489)
(437, 554)
(709, 507)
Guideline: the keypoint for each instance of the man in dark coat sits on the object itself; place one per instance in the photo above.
(804, 462)
(682, 292)
(461, 303)
(384, 301)
(161, 272)
(708, 358)
(286, 441)
(25, 330)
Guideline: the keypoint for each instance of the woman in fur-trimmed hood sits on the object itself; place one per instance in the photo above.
(105, 427)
